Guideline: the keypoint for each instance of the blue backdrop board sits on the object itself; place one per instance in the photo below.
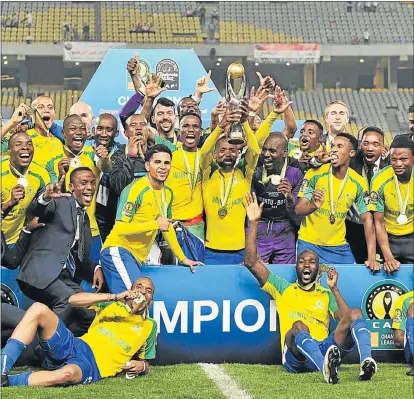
(111, 86)
(220, 314)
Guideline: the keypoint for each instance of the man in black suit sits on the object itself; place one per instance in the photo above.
(58, 253)
(368, 162)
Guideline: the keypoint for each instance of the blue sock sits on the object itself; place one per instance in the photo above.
(409, 333)
(309, 348)
(10, 354)
(19, 379)
(362, 337)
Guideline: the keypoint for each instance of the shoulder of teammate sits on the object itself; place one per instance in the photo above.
(39, 172)
(275, 284)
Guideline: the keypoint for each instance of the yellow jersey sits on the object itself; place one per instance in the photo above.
(136, 225)
(293, 303)
(226, 233)
(188, 202)
(87, 158)
(37, 178)
(399, 310)
(45, 148)
(384, 200)
(316, 227)
(116, 335)
(295, 145)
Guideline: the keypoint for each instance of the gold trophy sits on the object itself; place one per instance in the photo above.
(235, 72)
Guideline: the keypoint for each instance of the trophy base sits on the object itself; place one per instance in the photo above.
(235, 140)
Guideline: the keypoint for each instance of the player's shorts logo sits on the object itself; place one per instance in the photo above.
(374, 198)
(8, 296)
(170, 73)
(379, 299)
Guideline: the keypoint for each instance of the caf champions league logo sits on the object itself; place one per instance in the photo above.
(380, 298)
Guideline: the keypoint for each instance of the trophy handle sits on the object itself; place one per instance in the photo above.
(230, 93)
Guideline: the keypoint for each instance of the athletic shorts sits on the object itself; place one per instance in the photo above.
(96, 247)
(64, 349)
(338, 255)
(120, 268)
(216, 257)
(293, 365)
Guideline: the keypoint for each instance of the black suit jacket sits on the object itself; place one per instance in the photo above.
(49, 246)
(10, 258)
(357, 163)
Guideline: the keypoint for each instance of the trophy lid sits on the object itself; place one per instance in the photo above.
(235, 70)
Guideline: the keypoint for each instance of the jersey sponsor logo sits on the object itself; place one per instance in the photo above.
(170, 73)
(127, 209)
(377, 304)
(367, 198)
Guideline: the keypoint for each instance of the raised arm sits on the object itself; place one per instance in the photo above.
(332, 282)
(18, 116)
(255, 265)
(86, 299)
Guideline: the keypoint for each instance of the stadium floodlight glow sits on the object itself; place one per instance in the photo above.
(76, 63)
(361, 60)
(218, 64)
(256, 63)
(219, 59)
(5, 62)
(5, 57)
(288, 64)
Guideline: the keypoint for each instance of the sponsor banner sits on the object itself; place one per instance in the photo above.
(87, 51)
(220, 314)
(111, 86)
(282, 53)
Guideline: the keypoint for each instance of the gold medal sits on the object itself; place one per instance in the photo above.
(75, 163)
(297, 153)
(275, 180)
(402, 219)
(22, 181)
(222, 212)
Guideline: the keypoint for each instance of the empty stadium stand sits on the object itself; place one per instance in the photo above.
(240, 22)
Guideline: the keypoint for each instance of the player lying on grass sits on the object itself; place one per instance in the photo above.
(120, 330)
(403, 326)
(304, 308)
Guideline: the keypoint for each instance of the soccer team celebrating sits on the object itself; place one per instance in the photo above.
(83, 214)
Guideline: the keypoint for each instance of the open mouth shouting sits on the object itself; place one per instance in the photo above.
(87, 198)
(47, 120)
(25, 157)
(190, 139)
(304, 142)
(77, 141)
(369, 157)
(306, 275)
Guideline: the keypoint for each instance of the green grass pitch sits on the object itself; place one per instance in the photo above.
(188, 381)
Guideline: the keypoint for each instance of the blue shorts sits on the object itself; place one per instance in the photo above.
(293, 365)
(120, 268)
(339, 254)
(214, 257)
(64, 349)
(96, 247)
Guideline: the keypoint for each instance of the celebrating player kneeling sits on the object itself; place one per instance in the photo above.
(120, 330)
(304, 309)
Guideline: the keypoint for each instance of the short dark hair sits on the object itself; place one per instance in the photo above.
(315, 122)
(191, 113)
(156, 149)
(164, 101)
(9, 142)
(351, 138)
(69, 118)
(403, 141)
(411, 109)
(373, 129)
(78, 170)
(107, 115)
(181, 101)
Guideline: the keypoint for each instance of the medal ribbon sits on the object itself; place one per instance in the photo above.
(402, 205)
(21, 176)
(163, 206)
(331, 190)
(192, 175)
(70, 152)
(266, 179)
(224, 193)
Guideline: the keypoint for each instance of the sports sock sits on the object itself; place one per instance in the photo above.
(19, 379)
(10, 354)
(409, 333)
(309, 348)
(362, 337)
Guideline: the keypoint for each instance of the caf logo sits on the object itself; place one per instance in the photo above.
(380, 298)
(8, 296)
(170, 73)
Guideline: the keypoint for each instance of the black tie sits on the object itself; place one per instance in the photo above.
(370, 173)
(81, 241)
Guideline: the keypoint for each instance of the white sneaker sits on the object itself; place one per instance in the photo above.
(330, 365)
(368, 369)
